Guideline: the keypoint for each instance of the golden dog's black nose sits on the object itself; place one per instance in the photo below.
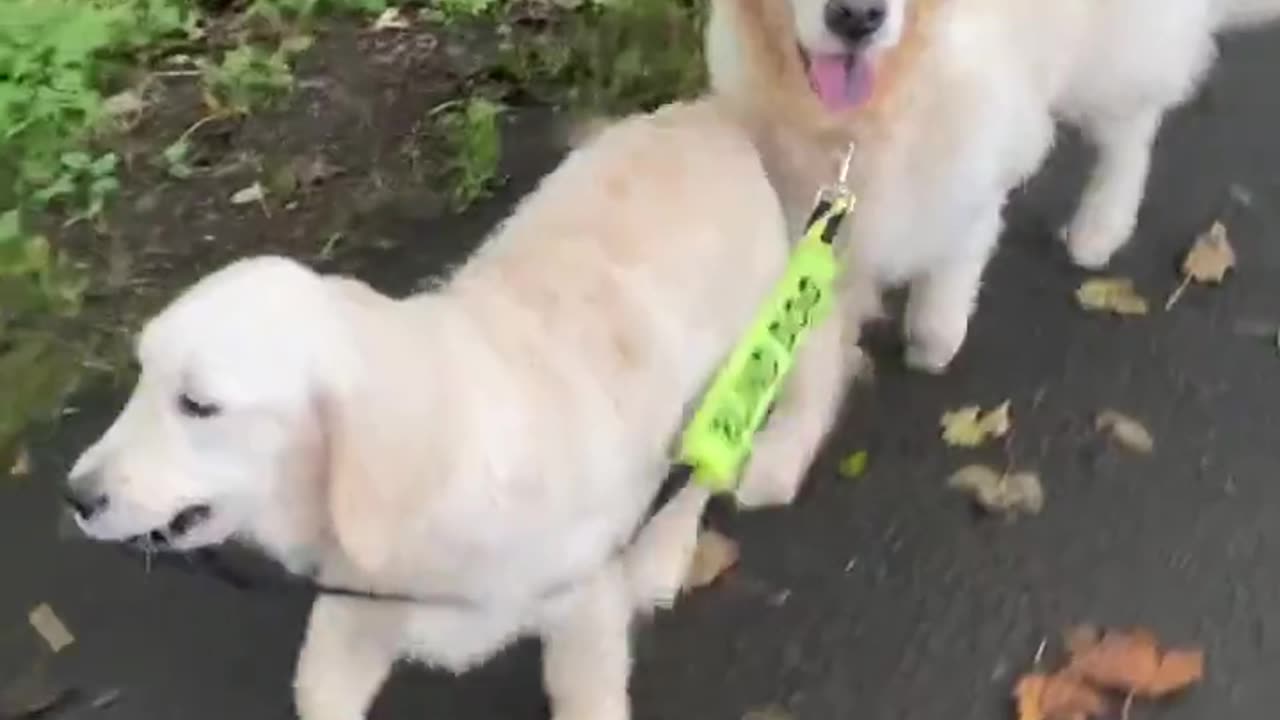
(854, 21)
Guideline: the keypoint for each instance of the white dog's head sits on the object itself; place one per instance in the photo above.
(842, 41)
(224, 422)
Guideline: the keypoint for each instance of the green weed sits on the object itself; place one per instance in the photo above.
(247, 77)
(471, 135)
(55, 57)
(613, 57)
(447, 10)
(280, 10)
(85, 178)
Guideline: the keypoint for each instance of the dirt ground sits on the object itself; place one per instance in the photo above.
(346, 158)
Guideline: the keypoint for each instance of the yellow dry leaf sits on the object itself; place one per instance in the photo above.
(1000, 493)
(1057, 697)
(1111, 294)
(1127, 431)
(1210, 257)
(970, 427)
(391, 19)
(713, 557)
(1207, 262)
(853, 466)
(21, 465)
(50, 627)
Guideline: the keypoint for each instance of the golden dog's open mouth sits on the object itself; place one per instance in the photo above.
(842, 81)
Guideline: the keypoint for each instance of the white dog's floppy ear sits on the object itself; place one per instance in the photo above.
(361, 441)
(356, 498)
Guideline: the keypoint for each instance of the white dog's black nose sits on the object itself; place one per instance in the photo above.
(84, 498)
(855, 21)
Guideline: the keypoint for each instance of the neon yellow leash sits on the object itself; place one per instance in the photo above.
(718, 440)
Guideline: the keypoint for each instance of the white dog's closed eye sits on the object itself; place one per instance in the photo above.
(197, 406)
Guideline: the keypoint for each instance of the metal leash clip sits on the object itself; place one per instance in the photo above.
(833, 202)
(838, 190)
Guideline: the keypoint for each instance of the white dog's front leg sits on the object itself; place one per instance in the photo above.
(587, 652)
(1108, 210)
(786, 446)
(941, 301)
(347, 655)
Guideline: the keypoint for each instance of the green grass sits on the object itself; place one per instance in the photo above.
(62, 61)
(470, 137)
(56, 56)
(59, 59)
(613, 56)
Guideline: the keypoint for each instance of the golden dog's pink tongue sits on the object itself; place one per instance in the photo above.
(840, 81)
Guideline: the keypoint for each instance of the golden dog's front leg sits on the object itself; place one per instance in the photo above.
(347, 655)
(587, 651)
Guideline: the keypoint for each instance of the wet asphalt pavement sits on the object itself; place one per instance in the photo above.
(884, 598)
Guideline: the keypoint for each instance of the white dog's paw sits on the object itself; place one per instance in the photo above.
(927, 358)
(772, 478)
(603, 711)
(1092, 249)
(933, 344)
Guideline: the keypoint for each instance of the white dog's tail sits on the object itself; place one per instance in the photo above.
(657, 561)
(1242, 14)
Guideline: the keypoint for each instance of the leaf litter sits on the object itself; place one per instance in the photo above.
(1116, 295)
(21, 465)
(970, 426)
(1126, 431)
(855, 465)
(1131, 663)
(50, 627)
(1207, 262)
(254, 193)
(996, 492)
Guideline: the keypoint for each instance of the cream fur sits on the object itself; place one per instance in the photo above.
(493, 438)
(968, 96)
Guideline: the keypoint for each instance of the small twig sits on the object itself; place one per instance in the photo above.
(1186, 280)
(212, 117)
(175, 73)
(1044, 643)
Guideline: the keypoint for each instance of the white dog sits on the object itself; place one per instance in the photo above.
(953, 104)
(498, 439)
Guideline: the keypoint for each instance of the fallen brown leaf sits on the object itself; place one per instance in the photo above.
(1132, 662)
(254, 193)
(1000, 493)
(21, 465)
(1208, 261)
(1111, 294)
(713, 557)
(970, 426)
(1059, 696)
(1126, 430)
(391, 19)
(1211, 256)
(50, 627)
